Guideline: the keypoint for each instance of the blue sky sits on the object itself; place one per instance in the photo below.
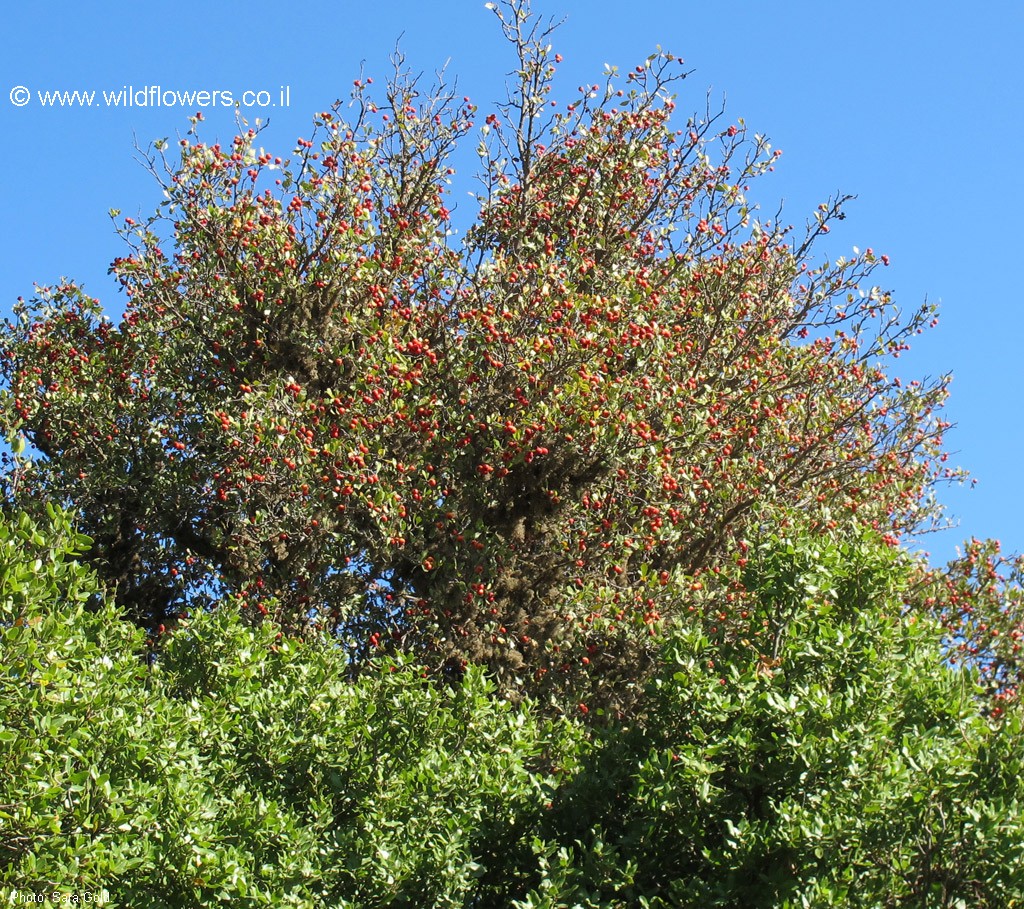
(914, 107)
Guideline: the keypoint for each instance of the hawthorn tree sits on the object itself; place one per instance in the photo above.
(526, 448)
(978, 598)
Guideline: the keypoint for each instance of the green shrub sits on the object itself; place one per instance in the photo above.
(852, 768)
(824, 757)
(239, 768)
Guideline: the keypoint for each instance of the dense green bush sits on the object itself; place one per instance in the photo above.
(238, 767)
(845, 766)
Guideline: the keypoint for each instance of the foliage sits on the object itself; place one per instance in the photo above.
(847, 769)
(978, 600)
(241, 767)
(624, 446)
(524, 450)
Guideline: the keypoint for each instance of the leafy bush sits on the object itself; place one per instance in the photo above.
(846, 768)
(239, 767)
(832, 760)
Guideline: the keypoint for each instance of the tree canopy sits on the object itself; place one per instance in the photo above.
(526, 447)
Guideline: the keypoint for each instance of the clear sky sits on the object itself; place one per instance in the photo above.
(914, 107)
